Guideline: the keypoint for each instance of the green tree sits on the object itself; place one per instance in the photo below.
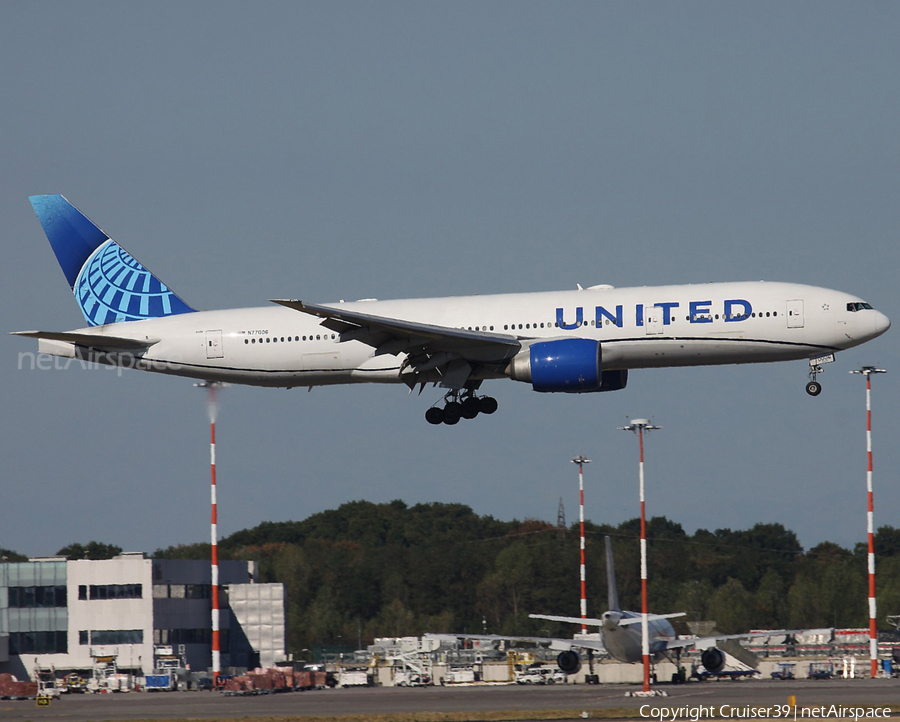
(693, 599)
(8, 555)
(91, 550)
(770, 602)
(515, 569)
(731, 606)
(200, 550)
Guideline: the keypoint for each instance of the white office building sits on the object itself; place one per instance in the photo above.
(67, 614)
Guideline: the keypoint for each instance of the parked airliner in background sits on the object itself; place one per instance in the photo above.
(565, 341)
(620, 636)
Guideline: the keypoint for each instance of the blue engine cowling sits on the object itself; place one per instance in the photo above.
(571, 365)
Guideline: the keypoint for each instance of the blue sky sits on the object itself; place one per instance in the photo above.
(327, 150)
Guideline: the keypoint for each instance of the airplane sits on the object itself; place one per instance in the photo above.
(620, 636)
(580, 341)
(620, 633)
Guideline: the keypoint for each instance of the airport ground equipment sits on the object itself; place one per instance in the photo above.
(785, 670)
(821, 670)
(46, 681)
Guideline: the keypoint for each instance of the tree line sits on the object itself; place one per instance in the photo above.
(367, 570)
(370, 570)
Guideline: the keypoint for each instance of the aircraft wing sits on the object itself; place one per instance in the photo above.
(557, 643)
(452, 351)
(100, 341)
(706, 642)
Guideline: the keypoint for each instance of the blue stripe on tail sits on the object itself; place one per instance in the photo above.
(108, 283)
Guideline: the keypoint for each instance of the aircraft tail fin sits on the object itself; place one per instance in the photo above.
(108, 283)
(613, 601)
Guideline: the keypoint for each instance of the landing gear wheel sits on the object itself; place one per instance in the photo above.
(452, 413)
(814, 388)
(488, 404)
(470, 407)
(434, 415)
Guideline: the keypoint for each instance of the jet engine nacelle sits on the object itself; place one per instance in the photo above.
(569, 365)
(569, 661)
(713, 659)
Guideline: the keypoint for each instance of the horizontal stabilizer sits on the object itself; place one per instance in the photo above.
(650, 618)
(91, 340)
(623, 622)
(568, 620)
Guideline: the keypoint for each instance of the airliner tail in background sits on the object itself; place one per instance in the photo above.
(579, 341)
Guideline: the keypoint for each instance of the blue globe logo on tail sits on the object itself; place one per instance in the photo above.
(109, 284)
(113, 286)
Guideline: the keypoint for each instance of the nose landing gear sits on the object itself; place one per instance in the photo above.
(460, 406)
(814, 388)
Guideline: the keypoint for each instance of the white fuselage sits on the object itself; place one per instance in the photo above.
(686, 325)
(623, 643)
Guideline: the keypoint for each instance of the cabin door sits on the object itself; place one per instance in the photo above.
(795, 313)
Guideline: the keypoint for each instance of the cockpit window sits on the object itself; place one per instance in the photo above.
(853, 306)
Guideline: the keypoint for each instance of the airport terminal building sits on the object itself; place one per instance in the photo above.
(67, 614)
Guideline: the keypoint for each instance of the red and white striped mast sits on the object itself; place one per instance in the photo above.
(639, 426)
(867, 371)
(214, 535)
(581, 461)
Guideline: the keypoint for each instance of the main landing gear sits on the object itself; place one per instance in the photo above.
(814, 388)
(458, 407)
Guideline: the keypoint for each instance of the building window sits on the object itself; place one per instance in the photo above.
(37, 597)
(38, 643)
(115, 591)
(83, 637)
(117, 636)
(190, 636)
(182, 591)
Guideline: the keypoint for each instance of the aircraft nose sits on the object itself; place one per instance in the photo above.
(882, 323)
